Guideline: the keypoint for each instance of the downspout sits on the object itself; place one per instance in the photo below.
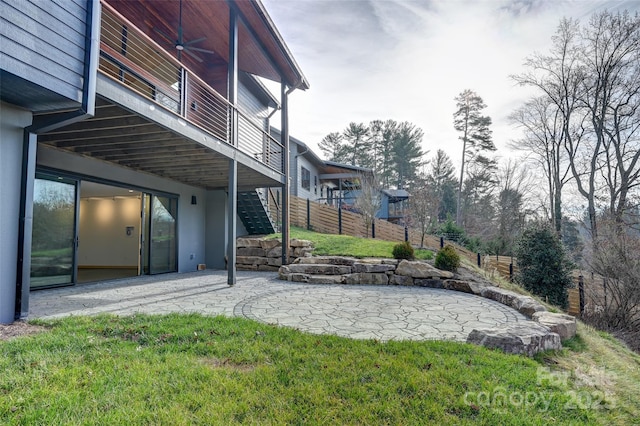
(29, 147)
(285, 164)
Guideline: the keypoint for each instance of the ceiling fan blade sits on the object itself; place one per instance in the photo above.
(197, 49)
(164, 35)
(193, 55)
(198, 40)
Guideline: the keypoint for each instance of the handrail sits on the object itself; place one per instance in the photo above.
(134, 59)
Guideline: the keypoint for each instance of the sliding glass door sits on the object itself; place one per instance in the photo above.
(53, 248)
(162, 241)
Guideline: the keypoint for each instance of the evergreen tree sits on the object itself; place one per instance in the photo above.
(543, 266)
(332, 146)
(407, 154)
(476, 136)
(442, 181)
(358, 153)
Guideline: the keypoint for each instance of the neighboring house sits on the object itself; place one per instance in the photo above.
(336, 184)
(122, 147)
(393, 206)
(320, 180)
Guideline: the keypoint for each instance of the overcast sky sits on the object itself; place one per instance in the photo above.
(408, 60)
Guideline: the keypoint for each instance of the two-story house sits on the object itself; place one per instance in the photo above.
(127, 130)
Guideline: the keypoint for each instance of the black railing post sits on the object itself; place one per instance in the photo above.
(406, 233)
(373, 229)
(581, 293)
(441, 242)
(511, 272)
(479, 261)
(308, 215)
(339, 220)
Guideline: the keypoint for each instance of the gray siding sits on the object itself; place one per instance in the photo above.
(249, 104)
(43, 42)
(12, 121)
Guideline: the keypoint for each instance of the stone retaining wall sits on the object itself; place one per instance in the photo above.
(261, 254)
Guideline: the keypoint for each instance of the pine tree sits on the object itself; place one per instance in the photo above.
(476, 135)
(332, 146)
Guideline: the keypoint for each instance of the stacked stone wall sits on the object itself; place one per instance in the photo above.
(261, 254)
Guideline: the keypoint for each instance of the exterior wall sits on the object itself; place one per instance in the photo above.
(302, 192)
(383, 213)
(249, 104)
(216, 229)
(43, 42)
(12, 122)
(191, 218)
(295, 167)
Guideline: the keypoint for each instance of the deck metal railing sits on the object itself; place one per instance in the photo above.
(136, 61)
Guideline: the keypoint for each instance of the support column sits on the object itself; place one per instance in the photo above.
(25, 226)
(232, 192)
(284, 116)
(232, 200)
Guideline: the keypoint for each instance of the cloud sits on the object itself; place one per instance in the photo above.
(407, 60)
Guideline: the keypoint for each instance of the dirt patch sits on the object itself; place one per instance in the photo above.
(17, 329)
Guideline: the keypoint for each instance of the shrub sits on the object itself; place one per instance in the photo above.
(403, 251)
(543, 266)
(451, 231)
(447, 258)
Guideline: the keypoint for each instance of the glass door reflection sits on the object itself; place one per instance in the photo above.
(53, 248)
(162, 244)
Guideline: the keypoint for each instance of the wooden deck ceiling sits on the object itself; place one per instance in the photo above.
(263, 51)
(118, 136)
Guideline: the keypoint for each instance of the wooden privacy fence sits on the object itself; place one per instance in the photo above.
(327, 219)
(582, 293)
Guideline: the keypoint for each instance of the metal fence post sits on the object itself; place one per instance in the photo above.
(406, 233)
(339, 220)
(479, 261)
(581, 293)
(308, 215)
(441, 242)
(373, 229)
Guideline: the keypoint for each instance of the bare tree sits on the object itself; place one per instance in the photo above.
(553, 123)
(611, 95)
(543, 126)
(514, 186)
(368, 201)
(617, 259)
(424, 205)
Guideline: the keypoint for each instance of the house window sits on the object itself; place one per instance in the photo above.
(305, 179)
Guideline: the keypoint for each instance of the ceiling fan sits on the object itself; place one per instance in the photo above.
(180, 44)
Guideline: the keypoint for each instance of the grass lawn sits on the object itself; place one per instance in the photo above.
(190, 369)
(345, 245)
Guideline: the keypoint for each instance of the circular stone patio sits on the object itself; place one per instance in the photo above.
(379, 312)
(355, 311)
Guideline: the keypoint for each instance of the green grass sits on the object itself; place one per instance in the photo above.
(345, 245)
(61, 252)
(190, 369)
